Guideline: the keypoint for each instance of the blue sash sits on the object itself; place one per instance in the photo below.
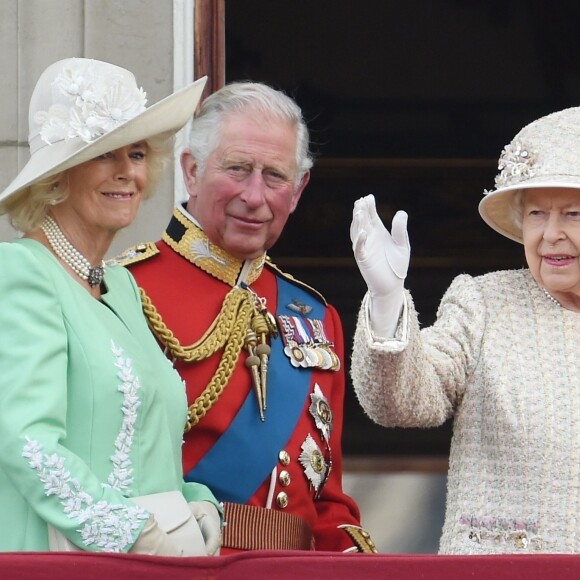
(245, 454)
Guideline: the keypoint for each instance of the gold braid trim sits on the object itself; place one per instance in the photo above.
(362, 539)
(228, 328)
(214, 338)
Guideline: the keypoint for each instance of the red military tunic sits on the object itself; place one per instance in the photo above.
(186, 279)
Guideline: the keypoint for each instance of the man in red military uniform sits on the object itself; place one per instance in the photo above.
(260, 353)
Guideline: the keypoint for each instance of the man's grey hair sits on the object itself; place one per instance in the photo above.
(251, 97)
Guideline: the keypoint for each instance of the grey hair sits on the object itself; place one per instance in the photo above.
(516, 208)
(27, 209)
(241, 97)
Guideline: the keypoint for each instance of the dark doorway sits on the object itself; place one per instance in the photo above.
(412, 101)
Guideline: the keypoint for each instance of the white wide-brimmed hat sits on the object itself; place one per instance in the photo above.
(545, 153)
(82, 108)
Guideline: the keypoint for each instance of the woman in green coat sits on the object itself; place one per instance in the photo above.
(91, 411)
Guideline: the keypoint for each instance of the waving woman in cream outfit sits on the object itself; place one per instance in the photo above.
(91, 412)
(502, 358)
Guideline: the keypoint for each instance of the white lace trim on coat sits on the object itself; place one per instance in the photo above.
(108, 526)
(122, 475)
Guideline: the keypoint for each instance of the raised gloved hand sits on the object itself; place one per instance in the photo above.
(383, 261)
(154, 541)
(208, 519)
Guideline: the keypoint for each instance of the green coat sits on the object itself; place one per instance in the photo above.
(91, 411)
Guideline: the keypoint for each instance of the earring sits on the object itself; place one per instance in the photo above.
(54, 200)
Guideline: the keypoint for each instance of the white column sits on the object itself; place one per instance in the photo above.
(183, 74)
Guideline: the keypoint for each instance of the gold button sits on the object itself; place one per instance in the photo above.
(284, 478)
(282, 500)
(284, 457)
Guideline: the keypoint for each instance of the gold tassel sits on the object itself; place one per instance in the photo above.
(253, 362)
(260, 327)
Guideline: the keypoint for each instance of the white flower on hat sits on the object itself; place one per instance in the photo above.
(54, 123)
(516, 163)
(97, 105)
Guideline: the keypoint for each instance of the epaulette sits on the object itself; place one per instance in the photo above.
(291, 278)
(134, 254)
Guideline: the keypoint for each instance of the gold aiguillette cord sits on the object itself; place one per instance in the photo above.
(263, 325)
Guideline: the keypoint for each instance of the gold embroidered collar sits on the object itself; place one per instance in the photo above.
(190, 241)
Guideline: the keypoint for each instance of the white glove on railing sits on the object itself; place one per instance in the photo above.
(383, 261)
(208, 519)
(154, 541)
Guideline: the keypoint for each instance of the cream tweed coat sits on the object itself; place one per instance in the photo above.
(503, 360)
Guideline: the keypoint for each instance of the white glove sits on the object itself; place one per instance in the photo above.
(154, 541)
(209, 521)
(383, 261)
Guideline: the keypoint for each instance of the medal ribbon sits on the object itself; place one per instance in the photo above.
(247, 452)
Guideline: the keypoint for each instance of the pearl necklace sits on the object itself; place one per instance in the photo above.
(70, 255)
(551, 297)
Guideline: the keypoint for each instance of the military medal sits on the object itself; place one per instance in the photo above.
(296, 354)
(320, 463)
(312, 460)
(321, 412)
(306, 344)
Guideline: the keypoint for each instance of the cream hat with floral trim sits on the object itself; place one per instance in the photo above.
(545, 153)
(82, 108)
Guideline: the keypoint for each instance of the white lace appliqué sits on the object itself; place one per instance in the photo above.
(110, 527)
(97, 105)
(122, 475)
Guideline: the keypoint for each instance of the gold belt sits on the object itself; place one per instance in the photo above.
(255, 528)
